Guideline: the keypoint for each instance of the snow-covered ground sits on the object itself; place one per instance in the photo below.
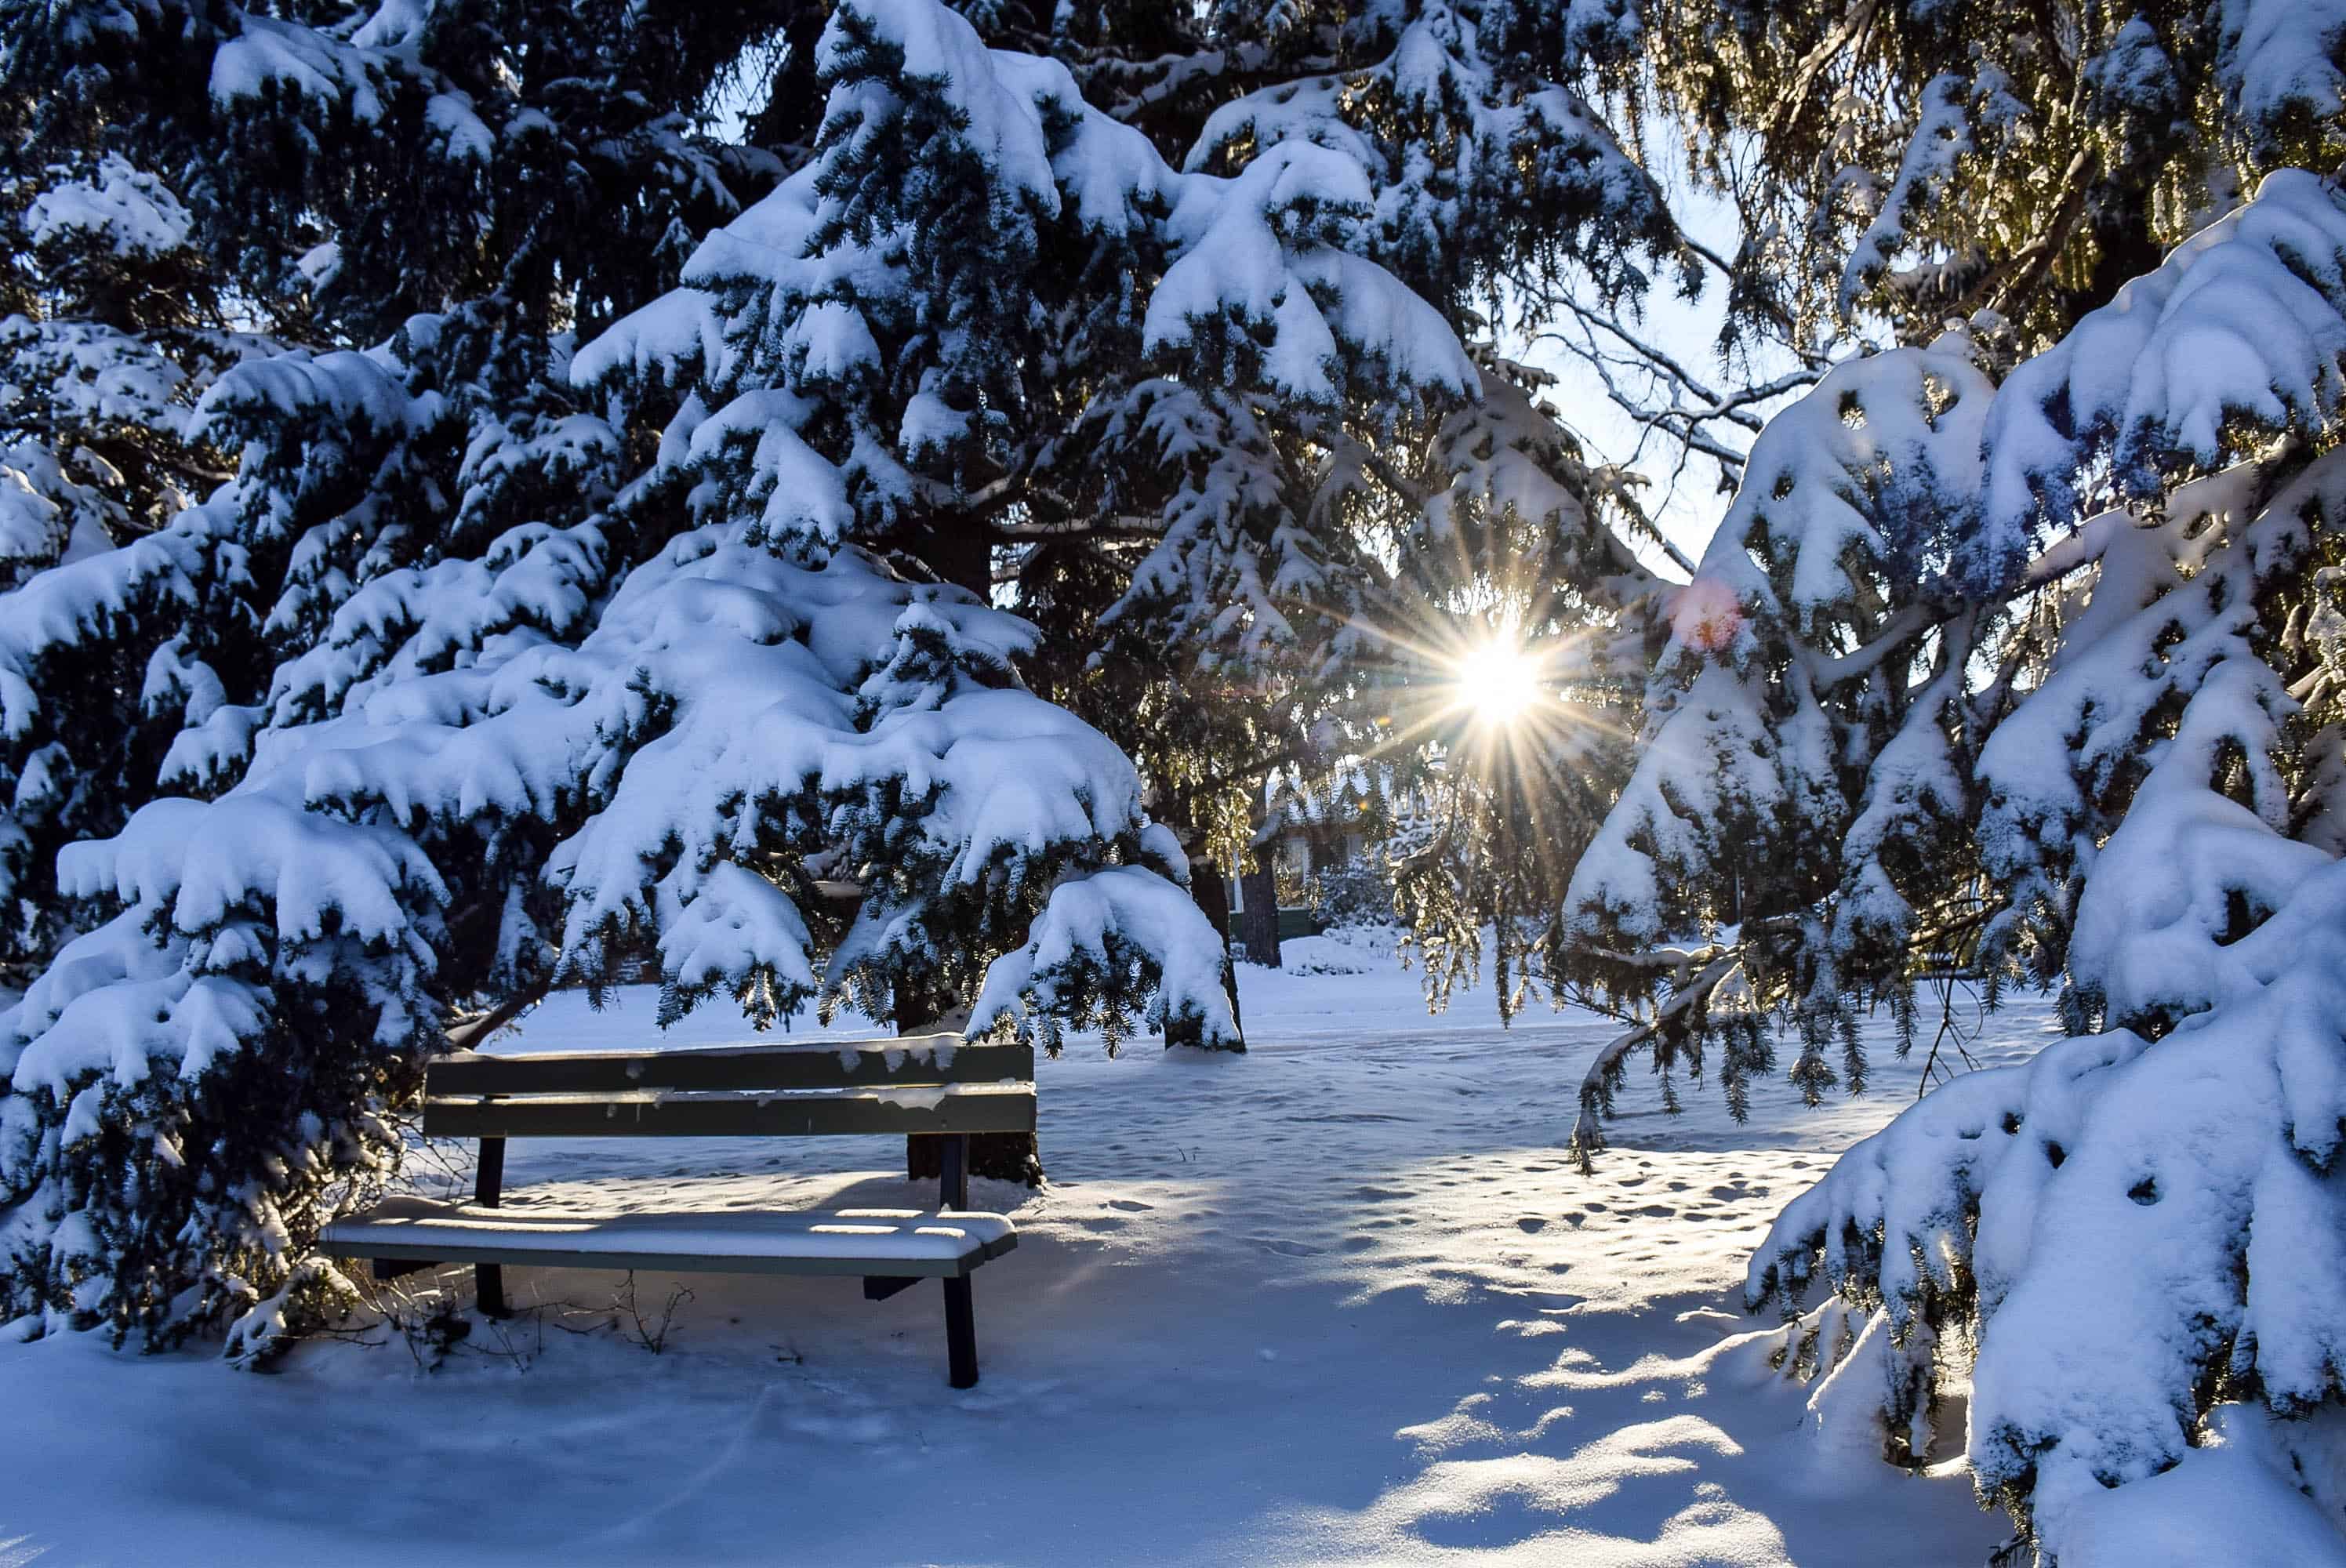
(1341, 1300)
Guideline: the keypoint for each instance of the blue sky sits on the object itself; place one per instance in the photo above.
(1687, 501)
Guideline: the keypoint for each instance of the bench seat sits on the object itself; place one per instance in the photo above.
(883, 1243)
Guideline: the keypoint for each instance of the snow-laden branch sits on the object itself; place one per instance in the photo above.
(1674, 1016)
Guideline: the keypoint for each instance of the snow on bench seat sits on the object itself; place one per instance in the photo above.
(898, 1242)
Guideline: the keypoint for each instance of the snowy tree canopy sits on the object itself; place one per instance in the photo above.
(436, 700)
(2033, 680)
(191, 188)
(1927, 160)
(478, 529)
(1192, 379)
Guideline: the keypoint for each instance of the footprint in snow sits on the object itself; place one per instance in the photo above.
(1532, 1224)
(1130, 1205)
(1284, 1248)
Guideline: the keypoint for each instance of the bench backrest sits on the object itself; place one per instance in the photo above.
(909, 1083)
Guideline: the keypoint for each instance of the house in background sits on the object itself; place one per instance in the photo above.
(1306, 832)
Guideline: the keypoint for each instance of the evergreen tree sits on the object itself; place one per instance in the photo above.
(2032, 678)
(190, 189)
(1192, 434)
(2013, 657)
(431, 703)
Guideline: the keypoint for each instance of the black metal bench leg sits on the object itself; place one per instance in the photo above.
(961, 1325)
(961, 1334)
(488, 1184)
(953, 1173)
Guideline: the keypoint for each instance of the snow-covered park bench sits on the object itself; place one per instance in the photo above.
(929, 1083)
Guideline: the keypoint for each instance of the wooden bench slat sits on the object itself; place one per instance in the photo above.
(876, 1242)
(839, 1064)
(961, 1108)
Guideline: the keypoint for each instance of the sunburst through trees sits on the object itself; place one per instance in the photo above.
(1497, 737)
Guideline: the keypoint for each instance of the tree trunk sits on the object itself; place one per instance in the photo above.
(1211, 891)
(792, 111)
(958, 552)
(1259, 921)
(1327, 850)
(1004, 1156)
